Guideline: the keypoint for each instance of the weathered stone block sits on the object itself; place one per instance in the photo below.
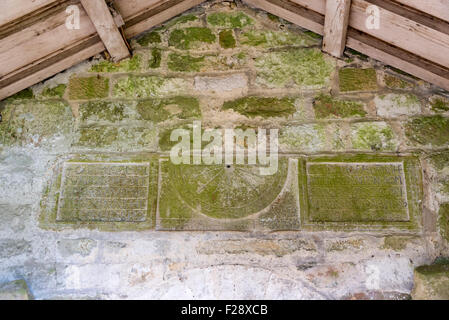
(231, 20)
(107, 195)
(305, 68)
(262, 106)
(54, 92)
(272, 39)
(15, 290)
(444, 221)
(192, 38)
(428, 131)
(354, 79)
(127, 65)
(111, 138)
(439, 104)
(235, 82)
(327, 107)
(150, 86)
(395, 105)
(303, 138)
(206, 63)
(431, 282)
(37, 123)
(104, 192)
(363, 191)
(88, 88)
(226, 197)
(373, 136)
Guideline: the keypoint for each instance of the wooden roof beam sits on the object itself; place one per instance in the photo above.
(336, 26)
(107, 29)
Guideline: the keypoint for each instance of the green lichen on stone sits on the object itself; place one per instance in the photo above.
(263, 107)
(374, 137)
(189, 38)
(444, 220)
(148, 86)
(230, 20)
(226, 39)
(88, 88)
(35, 122)
(433, 130)
(393, 82)
(268, 38)
(355, 79)
(152, 37)
(327, 107)
(303, 138)
(439, 104)
(55, 92)
(127, 65)
(155, 59)
(304, 67)
(117, 138)
(184, 63)
(157, 110)
(102, 111)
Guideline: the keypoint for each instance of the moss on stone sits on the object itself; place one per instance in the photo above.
(152, 37)
(439, 104)
(273, 18)
(55, 92)
(431, 282)
(444, 220)
(374, 137)
(357, 54)
(393, 82)
(268, 38)
(313, 35)
(327, 107)
(433, 130)
(155, 59)
(127, 65)
(98, 136)
(396, 243)
(22, 95)
(102, 110)
(157, 110)
(304, 67)
(440, 160)
(184, 63)
(355, 79)
(188, 38)
(88, 88)
(263, 107)
(229, 19)
(226, 39)
(181, 20)
(148, 86)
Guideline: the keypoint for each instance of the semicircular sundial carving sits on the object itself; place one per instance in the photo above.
(227, 191)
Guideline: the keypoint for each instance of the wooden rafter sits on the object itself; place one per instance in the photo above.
(336, 26)
(108, 31)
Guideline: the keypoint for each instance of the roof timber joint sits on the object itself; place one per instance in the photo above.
(106, 26)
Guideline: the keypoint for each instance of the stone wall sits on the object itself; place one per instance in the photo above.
(91, 208)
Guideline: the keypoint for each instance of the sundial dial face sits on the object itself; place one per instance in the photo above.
(227, 191)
